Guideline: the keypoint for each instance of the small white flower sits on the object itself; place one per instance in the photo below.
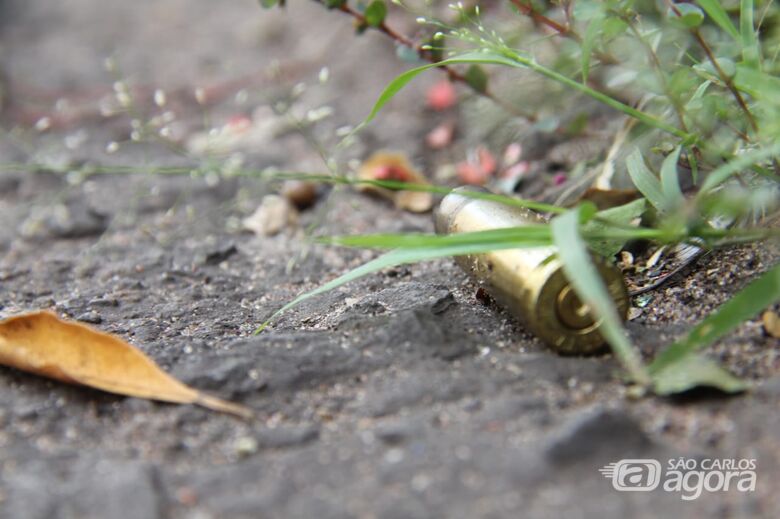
(298, 89)
(160, 98)
(124, 99)
(109, 64)
(324, 75)
(43, 124)
(318, 114)
(343, 131)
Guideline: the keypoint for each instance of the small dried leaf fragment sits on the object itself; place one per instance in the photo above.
(607, 198)
(395, 166)
(771, 322)
(71, 352)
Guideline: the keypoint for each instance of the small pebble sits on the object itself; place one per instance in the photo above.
(469, 173)
(90, 317)
(245, 446)
(273, 215)
(299, 193)
(441, 95)
(441, 136)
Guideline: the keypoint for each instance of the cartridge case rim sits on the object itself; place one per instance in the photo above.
(530, 282)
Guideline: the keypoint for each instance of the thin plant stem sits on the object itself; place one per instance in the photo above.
(563, 30)
(641, 116)
(723, 76)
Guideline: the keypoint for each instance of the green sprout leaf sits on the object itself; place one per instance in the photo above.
(750, 51)
(375, 13)
(670, 182)
(588, 43)
(397, 84)
(693, 371)
(758, 84)
(690, 17)
(587, 283)
(645, 181)
(605, 221)
(715, 10)
(268, 4)
(707, 69)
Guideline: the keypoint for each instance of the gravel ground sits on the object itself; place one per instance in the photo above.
(400, 395)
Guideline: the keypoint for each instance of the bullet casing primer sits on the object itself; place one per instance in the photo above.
(529, 282)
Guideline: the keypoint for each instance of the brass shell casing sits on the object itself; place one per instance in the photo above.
(529, 282)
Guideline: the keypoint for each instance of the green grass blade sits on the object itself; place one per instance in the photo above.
(759, 84)
(750, 52)
(603, 228)
(720, 17)
(391, 259)
(589, 286)
(622, 215)
(397, 84)
(670, 182)
(325, 178)
(510, 237)
(645, 181)
(511, 58)
(588, 42)
(699, 93)
(759, 294)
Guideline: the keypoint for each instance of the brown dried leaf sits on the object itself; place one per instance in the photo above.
(414, 201)
(607, 198)
(71, 352)
(395, 166)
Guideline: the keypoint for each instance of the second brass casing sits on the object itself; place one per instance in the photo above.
(529, 282)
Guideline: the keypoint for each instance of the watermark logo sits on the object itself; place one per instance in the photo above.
(687, 476)
(633, 475)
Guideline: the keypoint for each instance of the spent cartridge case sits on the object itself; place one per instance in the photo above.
(529, 282)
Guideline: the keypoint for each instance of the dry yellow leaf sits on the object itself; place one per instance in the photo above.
(71, 352)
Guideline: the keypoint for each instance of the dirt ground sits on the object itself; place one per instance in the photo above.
(400, 395)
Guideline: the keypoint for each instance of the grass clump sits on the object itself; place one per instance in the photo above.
(697, 85)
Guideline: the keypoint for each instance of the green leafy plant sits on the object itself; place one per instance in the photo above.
(708, 97)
